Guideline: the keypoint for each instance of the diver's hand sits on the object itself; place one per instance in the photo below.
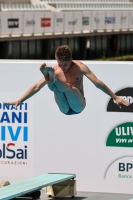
(14, 103)
(119, 101)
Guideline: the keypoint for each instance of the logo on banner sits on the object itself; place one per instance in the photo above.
(45, 22)
(74, 22)
(13, 23)
(121, 136)
(122, 168)
(59, 20)
(109, 20)
(126, 94)
(30, 23)
(123, 19)
(85, 21)
(14, 136)
(97, 20)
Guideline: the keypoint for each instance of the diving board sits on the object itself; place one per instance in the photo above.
(32, 184)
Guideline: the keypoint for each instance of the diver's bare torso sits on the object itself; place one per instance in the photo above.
(72, 76)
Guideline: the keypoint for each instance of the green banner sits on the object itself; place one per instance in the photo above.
(121, 136)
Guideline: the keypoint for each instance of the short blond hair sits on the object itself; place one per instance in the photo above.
(63, 53)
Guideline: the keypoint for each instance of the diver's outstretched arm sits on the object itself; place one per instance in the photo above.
(99, 84)
(30, 92)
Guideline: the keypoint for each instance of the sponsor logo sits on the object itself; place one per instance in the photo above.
(85, 21)
(30, 23)
(126, 94)
(123, 19)
(7, 152)
(59, 20)
(121, 136)
(74, 22)
(121, 168)
(96, 20)
(109, 20)
(13, 23)
(13, 133)
(45, 22)
(125, 167)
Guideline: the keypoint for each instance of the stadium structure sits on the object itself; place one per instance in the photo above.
(33, 29)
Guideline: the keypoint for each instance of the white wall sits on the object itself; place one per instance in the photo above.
(69, 144)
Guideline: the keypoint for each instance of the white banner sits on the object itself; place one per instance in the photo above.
(39, 22)
(100, 20)
(28, 22)
(58, 22)
(48, 22)
(0, 23)
(69, 22)
(16, 139)
(6, 23)
(110, 20)
(131, 20)
(118, 15)
(77, 18)
(125, 20)
(86, 21)
(16, 23)
(94, 20)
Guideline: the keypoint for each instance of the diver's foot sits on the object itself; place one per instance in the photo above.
(44, 70)
(51, 72)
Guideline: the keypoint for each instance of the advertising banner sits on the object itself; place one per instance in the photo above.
(15, 23)
(58, 22)
(47, 22)
(0, 22)
(131, 20)
(16, 135)
(96, 144)
(123, 165)
(16, 139)
(94, 20)
(110, 20)
(40, 24)
(100, 20)
(118, 16)
(86, 21)
(125, 20)
(77, 26)
(28, 22)
(6, 23)
(69, 22)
